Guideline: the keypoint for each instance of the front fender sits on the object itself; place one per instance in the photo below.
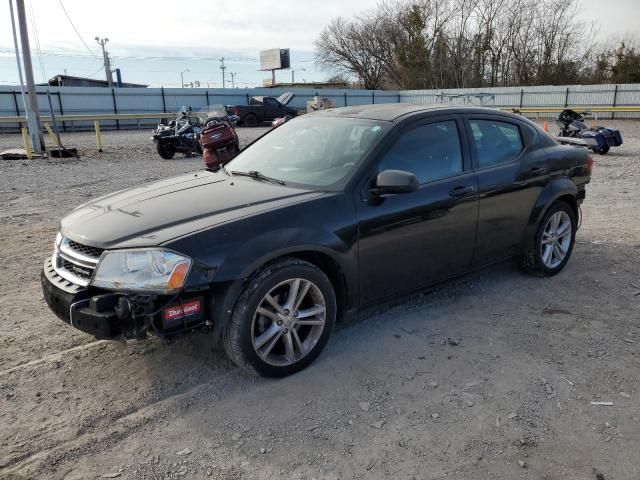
(240, 264)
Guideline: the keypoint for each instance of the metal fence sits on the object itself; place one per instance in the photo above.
(95, 100)
(623, 95)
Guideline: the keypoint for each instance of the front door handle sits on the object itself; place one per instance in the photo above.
(461, 191)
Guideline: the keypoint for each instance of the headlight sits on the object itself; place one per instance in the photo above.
(153, 271)
(58, 240)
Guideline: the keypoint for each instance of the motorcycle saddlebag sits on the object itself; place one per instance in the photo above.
(216, 157)
(613, 136)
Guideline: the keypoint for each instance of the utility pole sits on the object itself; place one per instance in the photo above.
(233, 79)
(33, 114)
(105, 56)
(223, 67)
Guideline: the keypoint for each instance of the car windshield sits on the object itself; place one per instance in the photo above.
(312, 151)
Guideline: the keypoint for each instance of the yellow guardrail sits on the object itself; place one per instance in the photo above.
(96, 119)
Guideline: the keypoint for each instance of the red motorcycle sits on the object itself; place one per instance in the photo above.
(219, 138)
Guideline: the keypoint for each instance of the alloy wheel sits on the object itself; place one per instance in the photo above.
(288, 322)
(556, 239)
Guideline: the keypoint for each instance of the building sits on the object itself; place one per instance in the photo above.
(70, 81)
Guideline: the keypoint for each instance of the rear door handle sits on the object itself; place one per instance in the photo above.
(461, 191)
(538, 171)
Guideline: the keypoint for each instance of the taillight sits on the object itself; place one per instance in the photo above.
(589, 164)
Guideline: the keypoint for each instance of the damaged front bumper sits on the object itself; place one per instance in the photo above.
(120, 315)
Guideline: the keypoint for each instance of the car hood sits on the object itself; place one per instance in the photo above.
(154, 213)
(286, 98)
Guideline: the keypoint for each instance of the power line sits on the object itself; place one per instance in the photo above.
(148, 57)
(76, 30)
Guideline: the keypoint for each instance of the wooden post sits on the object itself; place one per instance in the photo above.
(27, 143)
(164, 103)
(566, 98)
(615, 100)
(96, 125)
(52, 134)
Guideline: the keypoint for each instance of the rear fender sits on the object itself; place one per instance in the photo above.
(557, 188)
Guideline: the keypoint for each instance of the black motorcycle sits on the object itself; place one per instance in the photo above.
(180, 135)
(599, 139)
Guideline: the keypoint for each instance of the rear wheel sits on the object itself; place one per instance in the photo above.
(250, 120)
(282, 320)
(549, 251)
(165, 150)
(603, 150)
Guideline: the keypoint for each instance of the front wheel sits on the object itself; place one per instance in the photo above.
(166, 150)
(549, 251)
(282, 320)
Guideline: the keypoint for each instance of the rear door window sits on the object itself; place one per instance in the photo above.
(495, 142)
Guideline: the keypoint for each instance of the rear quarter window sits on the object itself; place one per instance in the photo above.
(495, 142)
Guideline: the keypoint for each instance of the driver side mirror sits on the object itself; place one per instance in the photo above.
(391, 182)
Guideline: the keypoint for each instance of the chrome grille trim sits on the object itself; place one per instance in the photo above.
(70, 254)
(59, 281)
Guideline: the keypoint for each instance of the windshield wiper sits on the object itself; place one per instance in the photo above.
(258, 176)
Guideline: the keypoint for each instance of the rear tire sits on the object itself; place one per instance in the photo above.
(602, 151)
(551, 247)
(165, 150)
(297, 319)
(250, 120)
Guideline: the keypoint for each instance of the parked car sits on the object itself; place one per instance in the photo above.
(264, 109)
(321, 216)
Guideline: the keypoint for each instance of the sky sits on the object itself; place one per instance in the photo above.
(152, 41)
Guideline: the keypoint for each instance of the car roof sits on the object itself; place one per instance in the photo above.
(392, 112)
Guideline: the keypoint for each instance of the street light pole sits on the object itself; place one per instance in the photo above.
(293, 78)
(223, 67)
(105, 57)
(33, 113)
(182, 77)
(233, 79)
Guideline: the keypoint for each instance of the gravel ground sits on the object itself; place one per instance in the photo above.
(489, 376)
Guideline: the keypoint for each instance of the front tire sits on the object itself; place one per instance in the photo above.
(549, 251)
(282, 320)
(165, 150)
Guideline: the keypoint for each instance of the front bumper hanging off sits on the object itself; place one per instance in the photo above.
(111, 315)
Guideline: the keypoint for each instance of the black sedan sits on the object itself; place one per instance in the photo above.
(324, 215)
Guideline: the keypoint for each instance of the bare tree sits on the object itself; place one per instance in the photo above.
(347, 46)
(468, 43)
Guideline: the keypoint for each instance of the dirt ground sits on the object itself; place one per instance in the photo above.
(489, 376)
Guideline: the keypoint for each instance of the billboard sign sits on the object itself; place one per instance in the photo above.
(275, 59)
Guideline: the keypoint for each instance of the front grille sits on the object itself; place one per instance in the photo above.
(75, 262)
(85, 249)
(80, 271)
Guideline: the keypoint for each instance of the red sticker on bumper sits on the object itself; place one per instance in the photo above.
(184, 310)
